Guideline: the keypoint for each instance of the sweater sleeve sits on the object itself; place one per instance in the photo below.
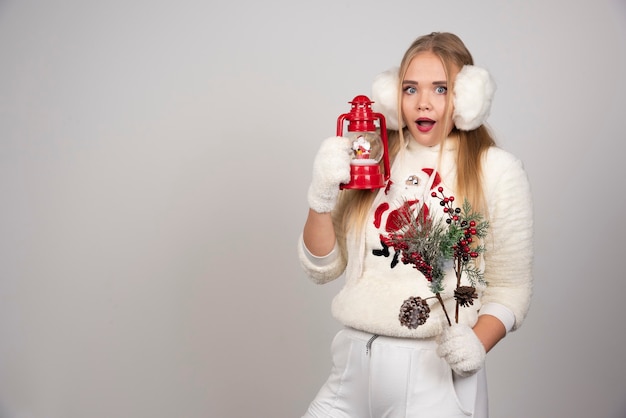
(321, 269)
(509, 245)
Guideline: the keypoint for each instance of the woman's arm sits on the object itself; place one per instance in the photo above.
(319, 233)
(489, 331)
(317, 248)
(509, 245)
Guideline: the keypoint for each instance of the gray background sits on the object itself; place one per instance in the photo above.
(154, 160)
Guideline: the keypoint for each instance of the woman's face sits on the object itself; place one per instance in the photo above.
(424, 98)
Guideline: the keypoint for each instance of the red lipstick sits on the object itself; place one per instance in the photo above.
(424, 124)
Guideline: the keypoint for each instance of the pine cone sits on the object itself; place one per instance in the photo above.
(465, 295)
(414, 312)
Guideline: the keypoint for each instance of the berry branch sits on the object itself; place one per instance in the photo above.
(427, 244)
(464, 226)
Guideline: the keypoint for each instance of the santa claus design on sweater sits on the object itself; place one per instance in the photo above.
(397, 218)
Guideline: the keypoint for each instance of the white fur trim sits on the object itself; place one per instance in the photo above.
(320, 272)
(473, 93)
(385, 96)
(324, 260)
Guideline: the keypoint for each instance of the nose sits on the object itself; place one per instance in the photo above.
(423, 102)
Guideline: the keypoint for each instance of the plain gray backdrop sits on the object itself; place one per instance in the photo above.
(154, 161)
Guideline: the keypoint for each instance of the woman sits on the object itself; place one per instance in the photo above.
(438, 101)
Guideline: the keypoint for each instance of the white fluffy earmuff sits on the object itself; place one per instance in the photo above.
(473, 93)
(385, 96)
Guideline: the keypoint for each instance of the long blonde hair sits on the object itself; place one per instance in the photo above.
(354, 205)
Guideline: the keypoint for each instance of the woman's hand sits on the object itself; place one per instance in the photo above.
(331, 168)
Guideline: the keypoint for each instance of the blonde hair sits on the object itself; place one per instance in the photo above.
(354, 205)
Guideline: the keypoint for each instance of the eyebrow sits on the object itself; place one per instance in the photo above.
(435, 83)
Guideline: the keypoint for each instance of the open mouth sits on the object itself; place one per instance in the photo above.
(425, 124)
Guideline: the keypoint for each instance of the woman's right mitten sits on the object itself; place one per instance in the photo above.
(331, 168)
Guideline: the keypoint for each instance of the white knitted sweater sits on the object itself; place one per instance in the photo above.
(374, 291)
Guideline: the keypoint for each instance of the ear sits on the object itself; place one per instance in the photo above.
(473, 93)
(385, 96)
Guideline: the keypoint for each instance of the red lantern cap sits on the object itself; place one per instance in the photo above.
(361, 117)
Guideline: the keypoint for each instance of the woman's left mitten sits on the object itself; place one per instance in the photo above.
(461, 348)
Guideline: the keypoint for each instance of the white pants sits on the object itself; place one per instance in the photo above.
(395, 378)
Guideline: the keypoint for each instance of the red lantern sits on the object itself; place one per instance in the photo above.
(368, 146)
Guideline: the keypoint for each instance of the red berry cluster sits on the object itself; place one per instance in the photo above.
(411, 257)
(418, 262)
(462, 249)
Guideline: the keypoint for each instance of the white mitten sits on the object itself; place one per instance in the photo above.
(461, 348)
(331, 167)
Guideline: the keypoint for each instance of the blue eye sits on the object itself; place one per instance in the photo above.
(410, 90)
(441, 90)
